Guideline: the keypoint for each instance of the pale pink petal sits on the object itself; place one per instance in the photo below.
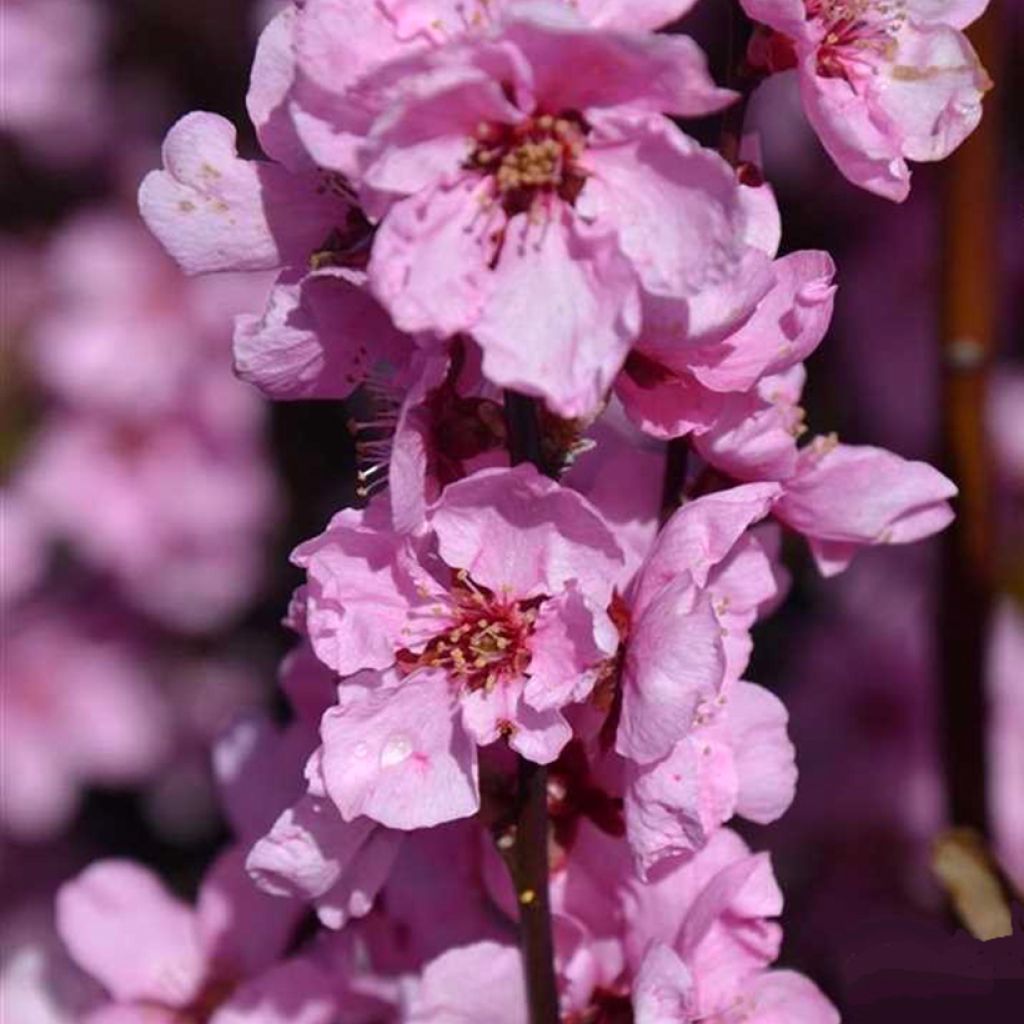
(571, 638)
(358, 597)
(763, 753)
(539, 736)
(676, 206)
(214, 211)
(393, 751)
(673, 805)
(124, 928)
(518, 532)
(701, 534)
(663, 988)
(273, 75)
(785, 997)
(340, 42)
(319, 337)
(312, 854)
(431, 255)
(753, 439)
(674, 661)
(632, 15)
(427, 138)
(726, 935)
(663, 403)
(933, 91)
(861, 139)
(850, 494)
(568, 348)
(955, 13)
(471, 984)
(787, 16)
(659, 73)
(786, 327)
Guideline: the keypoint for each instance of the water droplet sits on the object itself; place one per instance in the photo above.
(360, 750)
(395, 751)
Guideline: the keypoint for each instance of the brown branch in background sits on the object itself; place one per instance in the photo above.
(525, 844)
(968, 337)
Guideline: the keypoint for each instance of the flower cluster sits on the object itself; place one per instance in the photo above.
(466, 199)
(140, 462)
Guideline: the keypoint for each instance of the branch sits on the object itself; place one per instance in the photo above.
(969, 273)
(527, 851)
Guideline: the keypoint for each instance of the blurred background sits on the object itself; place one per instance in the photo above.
(150, 502)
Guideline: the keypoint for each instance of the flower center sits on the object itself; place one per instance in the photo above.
(487, 641)
(855, 34)
(539, 156)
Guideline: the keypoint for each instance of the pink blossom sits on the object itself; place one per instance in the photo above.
(460, 240)
(481, 628)
(301, 847)
(841, 497)
(687, 377)
(693, 946)
(173, 517)
(320, 333)
(25, 545)
(737, 761)
(163, 961)
(882, 83)
(689, 614)
(55, 100)
(79, 710)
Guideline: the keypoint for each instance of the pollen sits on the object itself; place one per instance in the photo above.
(540, 156)
(487, 643)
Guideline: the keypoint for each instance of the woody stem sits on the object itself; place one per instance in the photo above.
(968, 338)
(528, 857)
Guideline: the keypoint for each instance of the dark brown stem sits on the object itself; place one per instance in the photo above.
(739, 78)
(527, 850)
(969, 273)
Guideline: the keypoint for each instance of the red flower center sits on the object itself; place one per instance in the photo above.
(538, 156)
(856, 33)
(487, 641)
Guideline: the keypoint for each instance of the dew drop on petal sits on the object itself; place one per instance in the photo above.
(395, 751)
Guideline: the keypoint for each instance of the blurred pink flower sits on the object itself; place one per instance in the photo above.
(55, 96)
(163, 961)
(79, 710)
